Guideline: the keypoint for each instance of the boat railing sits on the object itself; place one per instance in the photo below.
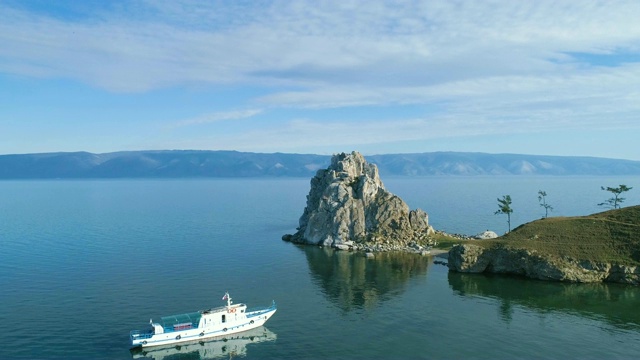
(257, 311)
(208, 311)
(180, 327)
(141, 334)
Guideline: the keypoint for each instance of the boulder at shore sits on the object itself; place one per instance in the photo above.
(349, 208)
(486, 235)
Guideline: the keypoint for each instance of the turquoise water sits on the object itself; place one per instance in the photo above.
(84, 262)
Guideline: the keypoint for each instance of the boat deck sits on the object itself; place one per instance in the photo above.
(257, 311)
(181, 321)
(217, 309)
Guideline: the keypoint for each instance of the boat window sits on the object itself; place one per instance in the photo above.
(224, 318)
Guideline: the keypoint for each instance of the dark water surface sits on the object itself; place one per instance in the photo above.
(84, 262)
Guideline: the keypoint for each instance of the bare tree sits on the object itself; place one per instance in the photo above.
(542, 198)
(504, 207)
(616, 200)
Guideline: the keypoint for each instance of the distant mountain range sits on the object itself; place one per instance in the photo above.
(194, 164)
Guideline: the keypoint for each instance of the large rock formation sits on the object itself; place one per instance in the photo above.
(349, 208)
(477, 259)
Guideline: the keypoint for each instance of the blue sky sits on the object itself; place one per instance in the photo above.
(531, 77)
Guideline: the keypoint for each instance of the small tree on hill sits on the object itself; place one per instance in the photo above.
(542, 198)
(504, 207)
(616, 200)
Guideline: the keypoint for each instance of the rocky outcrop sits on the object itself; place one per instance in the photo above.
(349, 208)
(488, 234)
(477, 259)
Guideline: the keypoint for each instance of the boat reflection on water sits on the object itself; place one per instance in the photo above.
(617, 304)
(353, 281)
(214, 348)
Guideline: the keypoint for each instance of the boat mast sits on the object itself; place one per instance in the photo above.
(228, 298)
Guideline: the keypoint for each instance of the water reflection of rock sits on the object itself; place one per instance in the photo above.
(216, 348)
(617, 304)
(353, 281)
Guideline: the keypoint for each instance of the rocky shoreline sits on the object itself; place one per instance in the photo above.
(471, 258)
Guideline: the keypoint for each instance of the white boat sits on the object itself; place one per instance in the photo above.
(203, 324)
(225, 346)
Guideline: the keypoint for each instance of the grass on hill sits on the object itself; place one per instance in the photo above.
(445, 242)
(612, 236)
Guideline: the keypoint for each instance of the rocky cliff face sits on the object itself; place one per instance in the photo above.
(349, 208)
(476, 259)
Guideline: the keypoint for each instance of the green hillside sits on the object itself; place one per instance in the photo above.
(611, 236)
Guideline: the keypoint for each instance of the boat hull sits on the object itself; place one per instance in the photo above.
(225, 346)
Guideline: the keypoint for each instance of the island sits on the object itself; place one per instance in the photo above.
(348, 208)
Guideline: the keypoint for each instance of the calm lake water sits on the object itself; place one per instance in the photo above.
(84, 262)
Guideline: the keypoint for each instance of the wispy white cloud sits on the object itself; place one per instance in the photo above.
(488, 66)
(216, 117)
(382, 44)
